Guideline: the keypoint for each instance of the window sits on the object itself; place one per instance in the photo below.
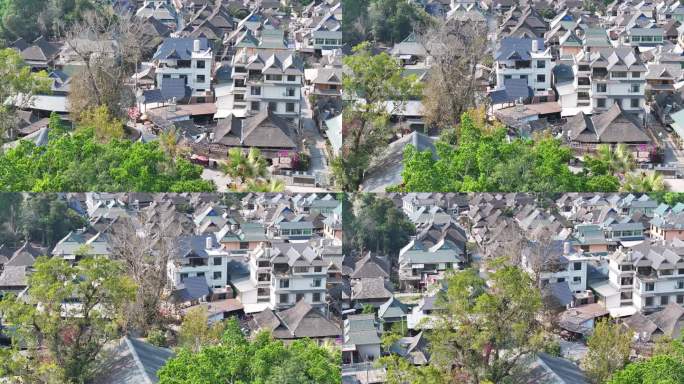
(217, 261)
(299, 297)
(217, 275)
(649, 302)
(634, 88)
(289, 107)
(201, 64)
(316, 297)
(183, 276)
(200, 78)
(625, 295)
(664, 300)
(239, 97)
(626, 281)
(301, 269)
(680, 271)
(680, 284)
(318, 269)
(291, 78)
(619, 75)
(541, 64)
(273, 106)
(680, 299)
(541, 78)
(561, 279)
(255, 91)
(200, 274)
(576, 279)
(274, 77)
(317, 283)
(284, 298)
(649, 287)
(634, 103)
(523, 77)
(290, 92)
(666, 272)
(507, 77)
(166, 76)
(601, 87)
(254, 106)
(577, 266)
(285, 283)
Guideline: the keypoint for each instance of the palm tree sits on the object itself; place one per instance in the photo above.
(262, 185)
(644, 182)
(245, 167)
(169, 142)
(619, 160)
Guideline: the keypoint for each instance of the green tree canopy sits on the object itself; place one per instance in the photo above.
(609, 347)
(486, 328)
(372, 80)
(16, 79)
(263, 360)
(485, 160)
(79, 162)
(665, 367)
(69, 314)
(391, 21)
(377, 225)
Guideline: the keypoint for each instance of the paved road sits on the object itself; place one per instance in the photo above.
(314, 140)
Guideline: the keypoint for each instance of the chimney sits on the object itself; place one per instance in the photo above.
(535, 45)
(196, 46)
(209, 244)
(566, 248)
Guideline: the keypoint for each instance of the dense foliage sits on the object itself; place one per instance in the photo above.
(484, 330)
(30, 18)
(609, 348)
(385, 21)
(16, 79)
(375, 224)
(64, 342)
(79, 162)
(370, 81)
(665, 367)
(261, 360)
(488, 161)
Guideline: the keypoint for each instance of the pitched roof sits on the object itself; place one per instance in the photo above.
(302, 320)
(611, 126)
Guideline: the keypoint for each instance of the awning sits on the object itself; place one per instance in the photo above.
(622, 311)
(629, 244)
(254, 308)
(604, 289)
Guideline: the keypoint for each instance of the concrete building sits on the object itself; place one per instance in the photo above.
(189, 59)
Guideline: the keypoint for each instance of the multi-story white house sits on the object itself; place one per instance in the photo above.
(200, 256)
(188, 59)
(525, 58)
(266, 79)
(646, 277)
(604, 77)
(281, 275)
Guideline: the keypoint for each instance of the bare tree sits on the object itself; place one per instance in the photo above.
(109, 47)
(456, 50)
(145, 253)
(543, 255)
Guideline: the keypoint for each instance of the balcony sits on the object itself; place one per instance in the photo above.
(598, 74)
(516, 65)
